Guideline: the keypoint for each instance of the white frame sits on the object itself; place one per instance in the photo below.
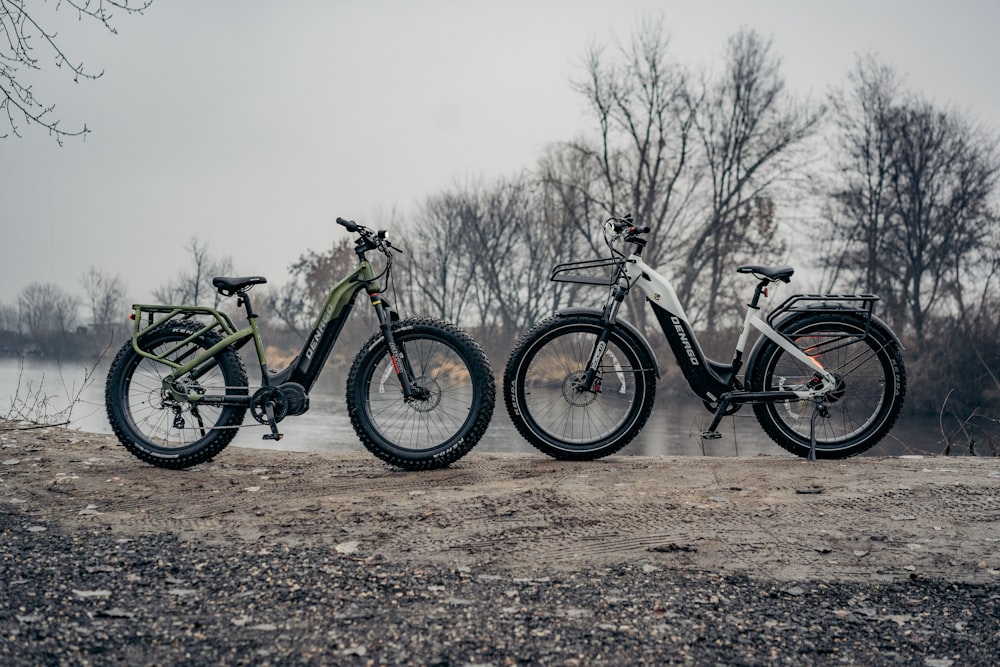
(659, 290)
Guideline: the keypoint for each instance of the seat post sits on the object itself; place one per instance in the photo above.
(244, 300)
(758, 291)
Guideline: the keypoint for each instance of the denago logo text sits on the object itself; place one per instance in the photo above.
(692, 355)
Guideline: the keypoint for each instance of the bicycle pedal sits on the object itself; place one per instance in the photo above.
(273, 436)
(711, 435)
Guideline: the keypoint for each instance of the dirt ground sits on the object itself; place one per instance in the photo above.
(779, 518)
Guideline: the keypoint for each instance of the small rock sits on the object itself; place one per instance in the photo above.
(265, 627)
(102, 594)
(347, 547)
(181, 592)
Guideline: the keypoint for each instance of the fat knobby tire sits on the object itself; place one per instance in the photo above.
(412, 333)
(120, 377)
(548, 332)
(876, 345)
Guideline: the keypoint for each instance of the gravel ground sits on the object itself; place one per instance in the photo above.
(94, 574)
(95, 599)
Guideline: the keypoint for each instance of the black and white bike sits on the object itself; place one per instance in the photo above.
(825, 377)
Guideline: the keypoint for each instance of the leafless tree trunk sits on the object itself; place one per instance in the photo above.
(914, 205)
(639, 162)
(864, 152)
(749, 131)
(106, 296)
(944, 172)
(193, 286)
(46, 310)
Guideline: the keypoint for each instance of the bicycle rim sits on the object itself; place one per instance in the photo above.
(556, 408)
(440, 416)
(856, 408)
(163, 422)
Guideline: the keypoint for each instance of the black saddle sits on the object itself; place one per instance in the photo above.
(231, 286)
(782, 273)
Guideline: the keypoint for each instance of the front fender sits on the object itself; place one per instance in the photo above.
(598, 314)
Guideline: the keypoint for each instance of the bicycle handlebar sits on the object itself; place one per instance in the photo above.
(371, 239)
(349, 224)
(626, 224)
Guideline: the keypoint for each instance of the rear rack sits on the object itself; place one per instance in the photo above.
(827, 303)
(158, 315)
(558, 272)
(821, 303)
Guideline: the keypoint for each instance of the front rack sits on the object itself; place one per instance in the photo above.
(558, 273)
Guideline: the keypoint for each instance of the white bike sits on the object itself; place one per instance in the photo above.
(825, 377)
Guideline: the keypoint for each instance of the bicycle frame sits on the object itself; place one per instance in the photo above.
(303, 370)
(709, 379)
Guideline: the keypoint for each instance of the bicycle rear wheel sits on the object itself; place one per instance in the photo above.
(868, 366)
(156, 426)
(558, 418)
(455, 387)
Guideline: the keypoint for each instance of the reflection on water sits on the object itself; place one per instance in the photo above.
(673, 429)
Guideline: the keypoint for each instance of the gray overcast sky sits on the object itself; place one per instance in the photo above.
(252, 125)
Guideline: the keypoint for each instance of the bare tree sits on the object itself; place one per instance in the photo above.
(483, 253)
(193, 286)
(26, 30)
(9, 317)
(944, 172)
(639, 161)
(439, 268)
(641, 102)
(913, 205)
(863, 155)
(313, 275)
(749, 131)
(45, 309)
(106, 296)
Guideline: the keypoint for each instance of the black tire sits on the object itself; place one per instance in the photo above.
(158, 428)
(426, 433)
(562, 422)
(865, 405)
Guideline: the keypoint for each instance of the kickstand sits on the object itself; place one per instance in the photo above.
(819, 410)
(273, 435)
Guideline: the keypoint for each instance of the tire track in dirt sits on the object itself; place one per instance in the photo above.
(777, 517)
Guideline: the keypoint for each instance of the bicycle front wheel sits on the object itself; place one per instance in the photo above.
(871, 384)
(551, 411)
(152, 422)
(453, 402)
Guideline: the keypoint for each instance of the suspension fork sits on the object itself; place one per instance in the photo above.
(591, 380)
(400, 362)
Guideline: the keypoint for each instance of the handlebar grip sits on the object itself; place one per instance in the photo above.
(350, 225)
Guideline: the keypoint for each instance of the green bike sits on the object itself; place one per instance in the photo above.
(420, 393)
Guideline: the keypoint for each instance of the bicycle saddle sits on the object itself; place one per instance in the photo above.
(782, 273)
(230, 286)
